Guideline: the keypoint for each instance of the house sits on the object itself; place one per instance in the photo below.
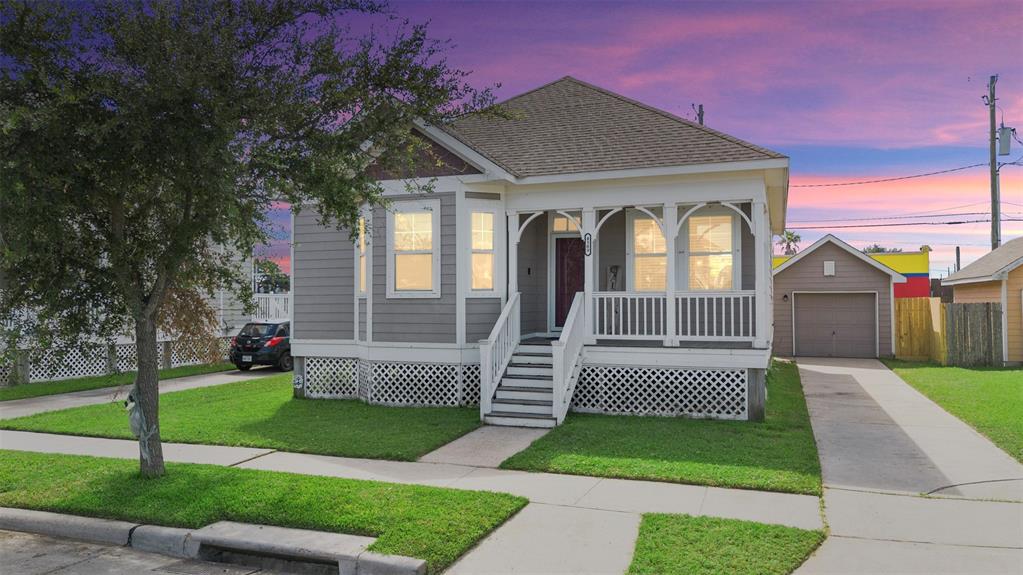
(832, 300)
(588, 252)
(914, 266)
(996, 277)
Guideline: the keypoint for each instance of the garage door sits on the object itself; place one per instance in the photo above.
(836, 325)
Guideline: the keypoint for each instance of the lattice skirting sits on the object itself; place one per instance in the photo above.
(391, 383)
(707, 393)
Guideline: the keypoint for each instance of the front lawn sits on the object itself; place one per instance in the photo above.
(989, 399)
(262, 413)
(779, 454)
(431, 523)
(40, 388)
(686, 545)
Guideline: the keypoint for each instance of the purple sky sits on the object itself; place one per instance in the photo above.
(850, 90)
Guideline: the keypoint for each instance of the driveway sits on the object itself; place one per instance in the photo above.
(883, 445)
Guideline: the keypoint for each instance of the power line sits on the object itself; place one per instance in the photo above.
(887, 179)
(953, 223)
(902, 217)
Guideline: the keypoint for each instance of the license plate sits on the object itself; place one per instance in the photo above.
(246, 358)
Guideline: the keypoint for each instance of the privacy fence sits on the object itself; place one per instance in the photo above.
(961, 334)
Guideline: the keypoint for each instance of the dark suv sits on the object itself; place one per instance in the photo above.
(262, 344)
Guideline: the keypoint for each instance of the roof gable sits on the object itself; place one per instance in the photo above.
(832, 240)
(991, 265)
(570, 126)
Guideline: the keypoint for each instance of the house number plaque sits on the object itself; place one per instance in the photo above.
(588, 244)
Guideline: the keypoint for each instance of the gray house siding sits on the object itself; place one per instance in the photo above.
(749, 249)
(324, 280)
(851, 275)
(611, 249)
(425, 320)
(532, 273)
(362, 319)
(480, 316)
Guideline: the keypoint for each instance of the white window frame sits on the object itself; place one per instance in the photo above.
(682, 263)
(406, 206)
(495, 207)
(630, 250)
(362, 253)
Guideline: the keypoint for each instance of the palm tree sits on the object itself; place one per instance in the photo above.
(789, 242)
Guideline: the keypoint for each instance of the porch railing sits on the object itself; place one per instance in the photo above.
(496, 351)
(272, 307)
(716, 316)
(567, 357)
(629, 315)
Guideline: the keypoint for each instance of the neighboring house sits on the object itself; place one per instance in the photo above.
(914, 266)
(996, 277)
(832, 300)
(588, 251)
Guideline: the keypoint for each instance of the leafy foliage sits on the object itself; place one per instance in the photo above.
(789, 242)
(270, 278)
(879, 249)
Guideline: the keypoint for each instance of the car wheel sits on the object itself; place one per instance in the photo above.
(243, 366)
(286, 363)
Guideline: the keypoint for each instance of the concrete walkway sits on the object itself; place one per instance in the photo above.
(486, 446)
(33, 405)
(882, 445)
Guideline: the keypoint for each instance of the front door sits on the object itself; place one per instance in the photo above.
(569, 259)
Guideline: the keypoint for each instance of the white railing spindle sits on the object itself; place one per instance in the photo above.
(496, 351)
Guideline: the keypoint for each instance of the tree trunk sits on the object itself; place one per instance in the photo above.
(147, 398)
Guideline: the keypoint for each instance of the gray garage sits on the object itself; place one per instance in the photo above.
(831, 300)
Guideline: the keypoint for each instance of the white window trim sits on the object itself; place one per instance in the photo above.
(496, 207)
(367, 215)
(630, 251)
(682, 263)
(432, 206)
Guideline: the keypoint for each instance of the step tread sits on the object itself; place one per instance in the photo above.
(539, 402)
(524, 389)
(532, 354)
(519, 415)
(528, 376)
(532, 365)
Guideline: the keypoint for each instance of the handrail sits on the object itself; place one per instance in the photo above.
(496, 351)
(567, 356)
(716, 315)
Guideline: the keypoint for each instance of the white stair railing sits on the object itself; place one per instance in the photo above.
(496, 351)
(716, 316)
(567, 360)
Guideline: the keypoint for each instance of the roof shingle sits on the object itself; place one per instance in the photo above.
(992, 262)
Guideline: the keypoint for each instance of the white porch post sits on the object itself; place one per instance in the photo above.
(670, 222)
(513, 253)
(589, 229)
(762, 239)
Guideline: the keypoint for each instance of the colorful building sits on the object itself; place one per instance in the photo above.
(915, 266)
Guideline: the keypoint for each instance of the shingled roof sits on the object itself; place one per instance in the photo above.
(1003, 260)
(570, 126)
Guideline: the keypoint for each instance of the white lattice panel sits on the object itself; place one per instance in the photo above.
(331, 377)
(5, 373)
(127, 359)
(424, 384)
(49, 365)
(712, 393)
(471, 384)
(365, 380)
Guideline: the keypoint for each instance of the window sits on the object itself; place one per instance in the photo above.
(649, 255)
(413, 253)
(563, 224)
(483, 251)
(711, 239)
(362, 255)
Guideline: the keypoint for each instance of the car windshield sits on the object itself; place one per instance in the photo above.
(258, 329)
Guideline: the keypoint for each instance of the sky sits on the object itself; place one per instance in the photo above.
(849, 90)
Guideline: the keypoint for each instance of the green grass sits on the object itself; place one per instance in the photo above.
(779, 454)
(263, 413)
(41, 388)
(989, 399)
(686, 545)
(431, 523)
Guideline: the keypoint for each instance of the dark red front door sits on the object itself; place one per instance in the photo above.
(568, 275)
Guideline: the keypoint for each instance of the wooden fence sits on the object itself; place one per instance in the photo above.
(964, 334)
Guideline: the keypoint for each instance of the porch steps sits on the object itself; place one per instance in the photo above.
(524, 396)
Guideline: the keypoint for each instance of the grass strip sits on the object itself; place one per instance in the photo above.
(779, 454)
(431, 523)
(41, 388)
(263, 413)
(687, 545)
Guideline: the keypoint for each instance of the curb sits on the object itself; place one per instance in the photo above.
(203, 543)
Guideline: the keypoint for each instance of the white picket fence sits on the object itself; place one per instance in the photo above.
(272, 307)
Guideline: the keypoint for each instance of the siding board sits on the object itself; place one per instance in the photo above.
(324, 280)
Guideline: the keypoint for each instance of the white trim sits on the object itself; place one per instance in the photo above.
(461, 234)
(495, 207)
(1000, 274)
(709, 358)
(455, 146)
(291, 264)
(896, 276)
(1005, 321)
(877, 315)
(711, 167)
(891, 320)
(387, 351)
(432, 206)
(631, 214)
(684, 253)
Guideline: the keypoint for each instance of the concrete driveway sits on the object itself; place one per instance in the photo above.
(883, 446)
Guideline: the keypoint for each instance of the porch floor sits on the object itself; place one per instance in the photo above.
(651, 343)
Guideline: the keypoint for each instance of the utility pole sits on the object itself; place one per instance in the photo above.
(996, 215)
(957, 259)
(699, 114)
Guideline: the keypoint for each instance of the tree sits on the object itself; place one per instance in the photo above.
(269, 277)
(926, 248)
(143, 143)
(879, 249)
(789, 242)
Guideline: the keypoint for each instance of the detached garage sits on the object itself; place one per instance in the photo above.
(831, 300)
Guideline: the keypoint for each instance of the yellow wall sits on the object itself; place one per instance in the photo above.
(904, 263)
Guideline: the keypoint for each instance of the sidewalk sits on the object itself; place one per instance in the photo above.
(33, 405)
(882, 444)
